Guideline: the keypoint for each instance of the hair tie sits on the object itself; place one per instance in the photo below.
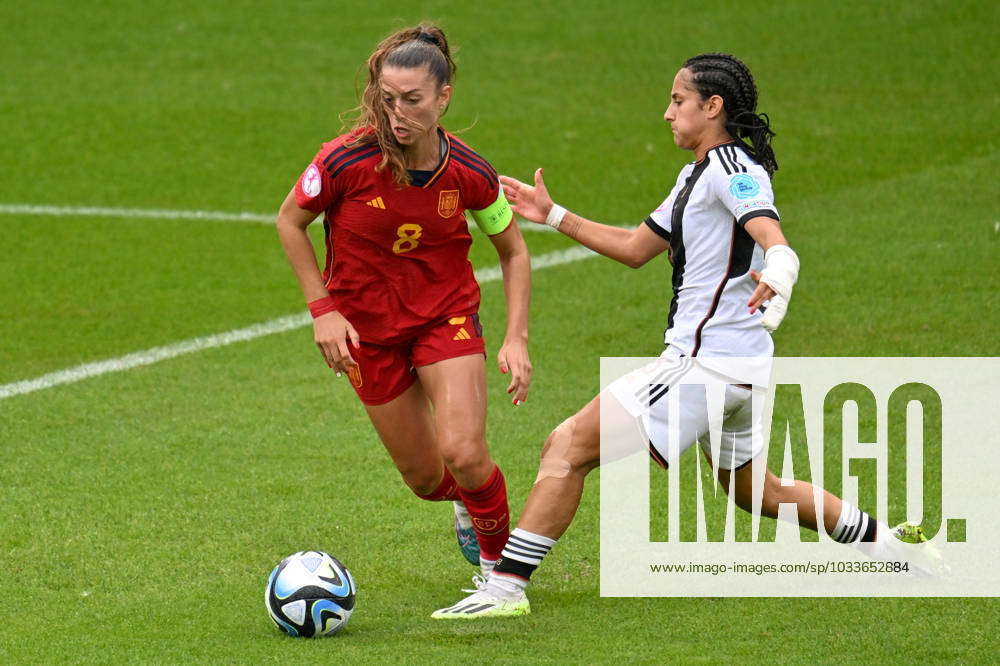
(756, 121)
(427, 37)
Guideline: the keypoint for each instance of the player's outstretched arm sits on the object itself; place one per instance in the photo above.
(632, 247)
(330, 328)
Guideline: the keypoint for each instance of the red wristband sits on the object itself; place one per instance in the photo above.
(322, 306)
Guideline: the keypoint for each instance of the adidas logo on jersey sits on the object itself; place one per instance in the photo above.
(462, 335)
(376, 203)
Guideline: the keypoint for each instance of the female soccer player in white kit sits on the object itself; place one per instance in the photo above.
(729, 255)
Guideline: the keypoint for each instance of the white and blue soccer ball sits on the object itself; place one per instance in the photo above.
(310, 594)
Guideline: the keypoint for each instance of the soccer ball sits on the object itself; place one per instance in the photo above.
(310, 594)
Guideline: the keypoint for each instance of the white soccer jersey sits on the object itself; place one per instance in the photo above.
(712, 254)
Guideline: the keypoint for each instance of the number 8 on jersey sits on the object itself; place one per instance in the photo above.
(409, 238)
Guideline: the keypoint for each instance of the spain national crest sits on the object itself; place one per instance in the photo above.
(447, 203)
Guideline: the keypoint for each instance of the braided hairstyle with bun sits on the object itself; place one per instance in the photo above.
(424, 45)
(728, 77)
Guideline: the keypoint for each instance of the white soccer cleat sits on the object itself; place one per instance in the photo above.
(484, 602)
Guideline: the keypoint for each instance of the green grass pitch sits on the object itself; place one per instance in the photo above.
(142, 510)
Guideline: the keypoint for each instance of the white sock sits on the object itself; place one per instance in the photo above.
(506, 586)
(885, 547)
(521, 556)
(527, 548)
(854, 525)
(857, 529)
(462, 515)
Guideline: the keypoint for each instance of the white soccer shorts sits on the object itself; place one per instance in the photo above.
(677, 401)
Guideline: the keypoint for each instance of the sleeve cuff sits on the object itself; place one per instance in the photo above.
(657, 229)
(764, 212)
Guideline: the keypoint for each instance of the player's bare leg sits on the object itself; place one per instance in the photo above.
(800, 494)
(843, 521)
(407, 429)
(571, 451)
(457, 389)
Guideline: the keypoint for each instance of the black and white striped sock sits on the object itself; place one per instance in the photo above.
(520, 557)
(854, 525)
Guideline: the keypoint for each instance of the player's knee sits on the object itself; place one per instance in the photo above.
(583, 461)
(566, 452)
(421, 481)
(468, 461)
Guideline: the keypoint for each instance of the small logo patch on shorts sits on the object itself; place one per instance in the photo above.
(354, 374)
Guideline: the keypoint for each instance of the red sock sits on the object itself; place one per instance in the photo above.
(487, 505)
(446, 490)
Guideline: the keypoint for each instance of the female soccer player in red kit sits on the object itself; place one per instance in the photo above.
(396, 306)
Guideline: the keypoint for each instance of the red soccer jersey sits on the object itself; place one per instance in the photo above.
(397, 259)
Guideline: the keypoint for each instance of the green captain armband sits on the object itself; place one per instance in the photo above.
(495, 218)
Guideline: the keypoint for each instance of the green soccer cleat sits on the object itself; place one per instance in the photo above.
(484, 603)
(466, 534)
(908, 533)
(928, 561)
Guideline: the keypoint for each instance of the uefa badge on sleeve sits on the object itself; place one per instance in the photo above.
(312, 184)
(743, 186)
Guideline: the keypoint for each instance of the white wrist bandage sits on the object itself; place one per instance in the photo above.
(555, 217)
(774, 313)
(781, 270)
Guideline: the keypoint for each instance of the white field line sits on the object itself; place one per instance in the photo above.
(155, 213)
(166, 214)
(279, 325)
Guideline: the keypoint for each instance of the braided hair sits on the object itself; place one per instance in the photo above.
(728, 77)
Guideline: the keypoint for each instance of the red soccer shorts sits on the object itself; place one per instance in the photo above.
(383, 372)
